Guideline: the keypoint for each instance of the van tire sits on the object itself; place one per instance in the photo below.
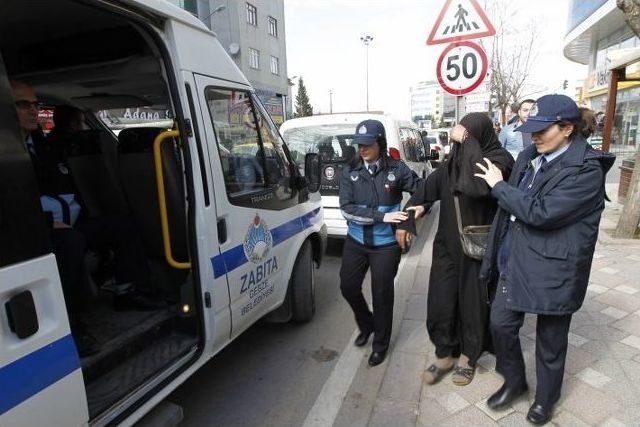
(303, 285)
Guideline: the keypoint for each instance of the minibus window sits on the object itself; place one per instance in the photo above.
(277, 163)
(238, 142)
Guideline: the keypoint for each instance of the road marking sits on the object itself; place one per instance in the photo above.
(329, 401)
(325, 409)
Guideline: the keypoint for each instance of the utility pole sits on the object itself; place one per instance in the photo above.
(330, 101)
(366, 40)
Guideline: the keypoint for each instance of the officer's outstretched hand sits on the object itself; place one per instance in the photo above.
(492, 174)
(395, 217)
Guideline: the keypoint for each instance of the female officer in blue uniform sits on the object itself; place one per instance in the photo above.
(541, 247)
(370, 197)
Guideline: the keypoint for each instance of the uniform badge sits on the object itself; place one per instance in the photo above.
(362, 130)
(391, 177)
(329, 173)
(354, 176)
(63, 169)
(533, 111)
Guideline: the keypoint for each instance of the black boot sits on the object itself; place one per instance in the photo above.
(505, 396)
(539, 414)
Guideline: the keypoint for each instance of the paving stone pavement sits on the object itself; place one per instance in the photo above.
(602, 375)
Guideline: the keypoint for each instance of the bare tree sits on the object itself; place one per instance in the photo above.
(630, 217)
(512, 56)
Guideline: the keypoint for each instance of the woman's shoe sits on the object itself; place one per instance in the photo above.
(434, 373)
(463, 375)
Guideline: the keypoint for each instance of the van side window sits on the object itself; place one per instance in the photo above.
(238, 143)
(278, 165)
(257, 171)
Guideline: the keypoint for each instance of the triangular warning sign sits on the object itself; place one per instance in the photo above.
(460, 20)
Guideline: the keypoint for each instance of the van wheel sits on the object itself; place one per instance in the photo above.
(303, 285)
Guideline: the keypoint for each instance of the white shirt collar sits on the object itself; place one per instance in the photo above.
(367, 164)
(549, 156)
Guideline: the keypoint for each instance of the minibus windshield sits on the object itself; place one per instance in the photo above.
(330, 141)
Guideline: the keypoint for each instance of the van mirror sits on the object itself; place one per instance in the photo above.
(312, 171)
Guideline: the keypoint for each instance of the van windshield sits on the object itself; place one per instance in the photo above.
(331, 142)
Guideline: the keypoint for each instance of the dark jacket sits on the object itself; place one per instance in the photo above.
(552, 240)
(365, 198)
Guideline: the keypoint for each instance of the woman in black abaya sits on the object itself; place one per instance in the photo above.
(457, 304)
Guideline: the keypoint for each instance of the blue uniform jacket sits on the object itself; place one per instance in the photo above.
(365, 198)
(552, 240)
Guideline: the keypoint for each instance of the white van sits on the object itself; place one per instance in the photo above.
(229, 229)
(331, 136)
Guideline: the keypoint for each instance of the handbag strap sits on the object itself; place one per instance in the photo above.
(456, 203)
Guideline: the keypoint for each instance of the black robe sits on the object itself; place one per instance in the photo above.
(457, 304)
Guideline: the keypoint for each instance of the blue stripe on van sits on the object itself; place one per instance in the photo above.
(36, 371)
(229, 260)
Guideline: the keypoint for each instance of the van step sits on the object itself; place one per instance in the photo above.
(121, 334)
(121, 380)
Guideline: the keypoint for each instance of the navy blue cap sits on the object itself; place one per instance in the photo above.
(548, 110)
(368, 132)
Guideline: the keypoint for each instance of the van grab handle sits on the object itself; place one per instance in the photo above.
(162, 201)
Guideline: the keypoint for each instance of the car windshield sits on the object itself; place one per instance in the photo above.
(331, 142)
(431, 140)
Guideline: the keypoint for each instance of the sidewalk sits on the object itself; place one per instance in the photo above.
(602, 380)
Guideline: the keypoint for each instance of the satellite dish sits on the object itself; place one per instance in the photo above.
(234, 48)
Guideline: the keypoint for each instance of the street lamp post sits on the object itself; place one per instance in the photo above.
(330, 102)
(366, 40)
(216, 10)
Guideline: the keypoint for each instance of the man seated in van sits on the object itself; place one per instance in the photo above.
(72, 233)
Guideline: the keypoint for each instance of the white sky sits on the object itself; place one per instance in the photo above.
(323, 46)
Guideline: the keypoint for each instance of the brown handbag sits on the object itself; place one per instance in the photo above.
(473, 238)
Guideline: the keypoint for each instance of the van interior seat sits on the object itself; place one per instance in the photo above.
(93, 163)
(138, 176)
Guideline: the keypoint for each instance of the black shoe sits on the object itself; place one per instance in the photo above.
(377, 357)
(505, 396)
(136, 301)
(361, 339)
(538, 414)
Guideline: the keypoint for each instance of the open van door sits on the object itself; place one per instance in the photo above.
(256, 201)
(40, 378)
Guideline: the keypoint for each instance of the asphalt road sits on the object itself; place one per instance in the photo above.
(272, 374)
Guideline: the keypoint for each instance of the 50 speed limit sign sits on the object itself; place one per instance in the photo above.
(462, 67)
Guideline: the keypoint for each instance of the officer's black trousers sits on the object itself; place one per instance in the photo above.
(551, 349)
(356, 259)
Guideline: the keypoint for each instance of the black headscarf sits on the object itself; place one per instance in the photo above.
(464, 156)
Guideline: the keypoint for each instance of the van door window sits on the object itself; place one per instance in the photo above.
(278, 166)
(254, 162)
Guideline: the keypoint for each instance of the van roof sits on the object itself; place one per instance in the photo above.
(167, 10)
(338, 118)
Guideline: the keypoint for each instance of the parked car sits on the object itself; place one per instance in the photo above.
(331, 136)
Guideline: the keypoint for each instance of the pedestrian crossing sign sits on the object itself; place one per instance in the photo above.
(460, 20)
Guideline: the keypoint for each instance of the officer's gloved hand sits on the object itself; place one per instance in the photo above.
(418, 211)
(395, 217)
